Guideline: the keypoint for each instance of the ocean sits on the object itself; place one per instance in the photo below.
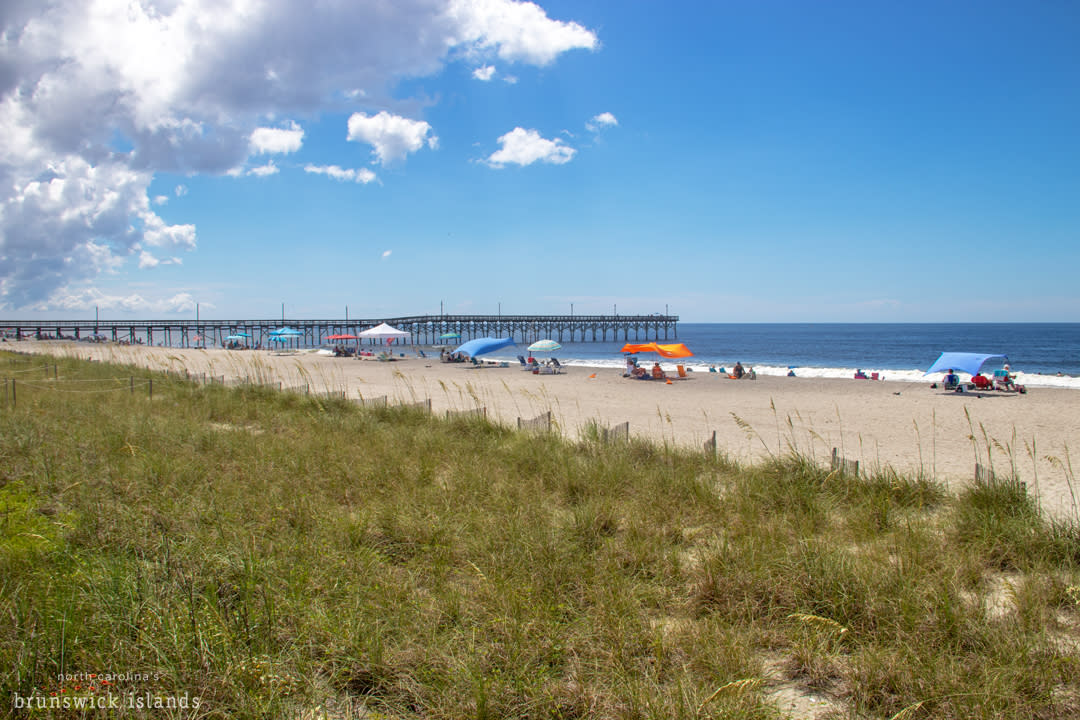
(1042, 354)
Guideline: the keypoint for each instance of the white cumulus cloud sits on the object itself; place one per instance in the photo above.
(73, 222)
(484, 73)
(148, 260)
(277, 140)
(392, 137)
(360, 175)
(525, 147)
(517, 31)
(264, 170)
(601, 121)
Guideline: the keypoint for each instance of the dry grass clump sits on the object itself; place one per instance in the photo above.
(278, 555)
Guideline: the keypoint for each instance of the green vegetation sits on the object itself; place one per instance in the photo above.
(277, 555)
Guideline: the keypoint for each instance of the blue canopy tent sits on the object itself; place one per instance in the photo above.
(284, 334)
(971, 363)
(479, 346)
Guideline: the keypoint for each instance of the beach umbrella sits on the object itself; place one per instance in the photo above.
(342, 337)
(971, 363)
(544, 346)
(450, 336)
(237, 336)
(286, 331)
(675, 350)
(479, 346)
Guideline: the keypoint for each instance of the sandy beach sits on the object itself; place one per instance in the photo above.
(897, 425)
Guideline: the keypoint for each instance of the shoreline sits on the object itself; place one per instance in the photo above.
(887, 424)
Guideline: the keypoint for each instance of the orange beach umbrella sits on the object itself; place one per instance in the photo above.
(676, 350)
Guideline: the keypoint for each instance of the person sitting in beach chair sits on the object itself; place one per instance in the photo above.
(951, 381)
(640, 373)
(658, 372)
(1003, 379)
(981, 382)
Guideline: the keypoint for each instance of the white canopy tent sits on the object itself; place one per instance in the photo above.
(382, 331)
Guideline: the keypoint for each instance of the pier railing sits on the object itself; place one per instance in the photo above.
(424, 329)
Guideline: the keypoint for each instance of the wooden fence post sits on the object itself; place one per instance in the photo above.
(710, 445)
(845, 466)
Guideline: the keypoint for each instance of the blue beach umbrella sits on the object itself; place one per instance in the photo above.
(286, 331)
(479, 346)
(971, 363)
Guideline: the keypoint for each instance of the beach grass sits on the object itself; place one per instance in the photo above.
(275, 554)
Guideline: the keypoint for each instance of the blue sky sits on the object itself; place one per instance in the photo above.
(728, 161)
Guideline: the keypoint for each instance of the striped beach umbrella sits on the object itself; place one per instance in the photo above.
(544, 346)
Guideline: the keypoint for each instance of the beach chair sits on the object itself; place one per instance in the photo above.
(1003, 380)
(556, 364)
(682, 372)
(524, 365)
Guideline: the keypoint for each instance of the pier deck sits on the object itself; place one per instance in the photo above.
(425, 329)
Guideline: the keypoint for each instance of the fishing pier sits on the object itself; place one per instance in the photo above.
(424, 329)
